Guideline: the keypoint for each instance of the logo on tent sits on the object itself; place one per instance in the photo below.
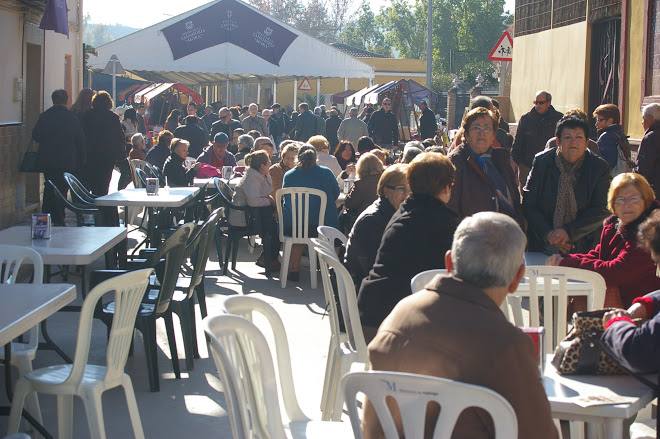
(189, 25)
(264, 39)
(229, 23)
(192, 33)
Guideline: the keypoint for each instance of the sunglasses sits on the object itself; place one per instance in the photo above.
(540, 102)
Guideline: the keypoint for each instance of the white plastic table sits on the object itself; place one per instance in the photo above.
(132, 197)
(563, 389)
(67, 245)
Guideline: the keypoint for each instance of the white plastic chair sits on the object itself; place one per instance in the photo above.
(87, 381)
(331, 235)
(413, 393)
(12, 258)
(550, 283)
(246, 367)
(349, 352)
(419, 281)
(298, 200)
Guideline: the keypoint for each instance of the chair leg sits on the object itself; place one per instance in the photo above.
(23, 388)
(312, 266)
(337, 401)
(193, 327)
(227, 254)
(234, 250)
(133, 411)
(218, 244)
(200, 291)
(94, 412)
(148, 329)
(171, 340)
(64, 416)
(24, 366)
(284, 267)
(327, 382)
(182, 310)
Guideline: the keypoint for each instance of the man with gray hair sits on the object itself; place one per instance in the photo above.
(411, 150)
(254, 121)
(454, 329)
(534, 129)
(352, 128)
(648, 155)
(245, 144)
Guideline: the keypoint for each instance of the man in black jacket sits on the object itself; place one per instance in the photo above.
(61, 148)
(278, 124)
(534, 130)
(331, 128)
(307, 124)
(193, 134)
(225, 125)
(383, 125)
(427, 124)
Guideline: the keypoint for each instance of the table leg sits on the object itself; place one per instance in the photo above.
(5, 410)
(613, 428)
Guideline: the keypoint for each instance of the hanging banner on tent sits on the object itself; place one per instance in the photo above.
(503, 50)
(229, 21)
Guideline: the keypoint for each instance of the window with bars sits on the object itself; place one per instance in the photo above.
(532, 16)
(565, 12)
(652, 80)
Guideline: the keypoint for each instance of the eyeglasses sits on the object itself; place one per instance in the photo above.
(480, 128)
(402, 189)
(540, 102)
(620, 201)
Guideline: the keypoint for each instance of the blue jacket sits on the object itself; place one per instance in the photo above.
(608, 144)
(637, 347)
(316, 177)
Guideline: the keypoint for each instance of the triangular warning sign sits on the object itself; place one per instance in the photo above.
(305, 85)
(503, 50)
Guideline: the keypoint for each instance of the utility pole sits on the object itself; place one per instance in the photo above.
(429, 47)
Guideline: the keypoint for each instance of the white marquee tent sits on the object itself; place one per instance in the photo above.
(226, 40)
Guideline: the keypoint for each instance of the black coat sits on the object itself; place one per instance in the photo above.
(175, 173)
(416, 239)
(427, 125)
(540, 199)
(365, 237)
(532, 134)
(383, 128)
(157, 156)
(648, 157)
(195, 135)
(221, 127)
(61, 140)
(307, 125)
(331, 127)
(105, 139)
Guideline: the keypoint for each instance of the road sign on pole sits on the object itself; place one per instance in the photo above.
(305, 85)
(503, 50)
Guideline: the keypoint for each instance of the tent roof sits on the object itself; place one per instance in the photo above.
(356, 98)
(226, 39)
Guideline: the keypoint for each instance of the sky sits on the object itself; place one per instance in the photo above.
(143, 13)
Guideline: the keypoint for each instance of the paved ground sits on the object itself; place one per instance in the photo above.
(193, 406)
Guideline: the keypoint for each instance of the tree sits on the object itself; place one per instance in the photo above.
(364, 32)
(405, 27)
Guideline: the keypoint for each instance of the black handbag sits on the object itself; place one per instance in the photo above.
(30, 162)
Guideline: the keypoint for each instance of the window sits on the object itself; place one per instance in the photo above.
(652, 36)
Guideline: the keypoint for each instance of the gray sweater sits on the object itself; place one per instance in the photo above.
(352, 129)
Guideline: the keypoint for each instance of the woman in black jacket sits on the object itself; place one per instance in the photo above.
(416, 239)
(364, 239)
(105, 143)
(565, 198)
(176, 175)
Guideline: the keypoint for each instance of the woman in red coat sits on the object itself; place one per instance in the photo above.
(627, 268)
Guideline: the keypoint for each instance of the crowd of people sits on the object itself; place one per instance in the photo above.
(472, 206)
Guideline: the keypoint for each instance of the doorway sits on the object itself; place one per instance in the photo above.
(33, 82)
(604, 71)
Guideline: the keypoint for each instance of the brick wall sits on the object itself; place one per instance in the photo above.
(18, 191)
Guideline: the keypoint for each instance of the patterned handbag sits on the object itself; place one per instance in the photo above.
(580, 352)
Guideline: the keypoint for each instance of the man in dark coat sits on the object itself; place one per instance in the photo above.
(225, 124)
(383, 125)
(210, 116)
(61, 148)
(307, 124)
(195, 135)
(331, 127)
(534, 130)
(427, 123)
(278, 124)
(648, 155)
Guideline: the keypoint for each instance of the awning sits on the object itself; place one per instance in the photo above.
(227, 39)
(338, 98)
(355, 99)
(138, 97)
(372, 96)
(147, 94)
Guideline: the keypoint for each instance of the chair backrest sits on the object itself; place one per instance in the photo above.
(328, 290)
(136, 164)
(141, 177)
(128, 291)
(12, 258)
(413, 393)
(419, 281)
(332, 235)
(347, 301)
(550, 283)
(173, 251)
(298, 200)
(85, 215)
(225, 196)
(153, 171)
(198, 247)
(78, 189)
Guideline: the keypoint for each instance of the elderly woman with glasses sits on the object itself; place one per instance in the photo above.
(365, 236)
(565, 198)
(416, 239)
(484, 176)
(627, 268)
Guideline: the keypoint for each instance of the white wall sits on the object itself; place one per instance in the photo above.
(11, 67)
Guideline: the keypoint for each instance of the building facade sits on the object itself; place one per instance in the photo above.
(35, 62)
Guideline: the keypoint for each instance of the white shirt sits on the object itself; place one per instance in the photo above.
(329, 161)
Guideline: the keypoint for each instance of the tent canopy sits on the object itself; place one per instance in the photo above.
(146, 94)
(356, 98)
(412, 92)
(226, 39)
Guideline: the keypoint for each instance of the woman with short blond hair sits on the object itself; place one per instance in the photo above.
(628, 269)
(368, 170)
(323, 156)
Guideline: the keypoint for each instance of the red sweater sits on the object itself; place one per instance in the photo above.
(619, 259)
